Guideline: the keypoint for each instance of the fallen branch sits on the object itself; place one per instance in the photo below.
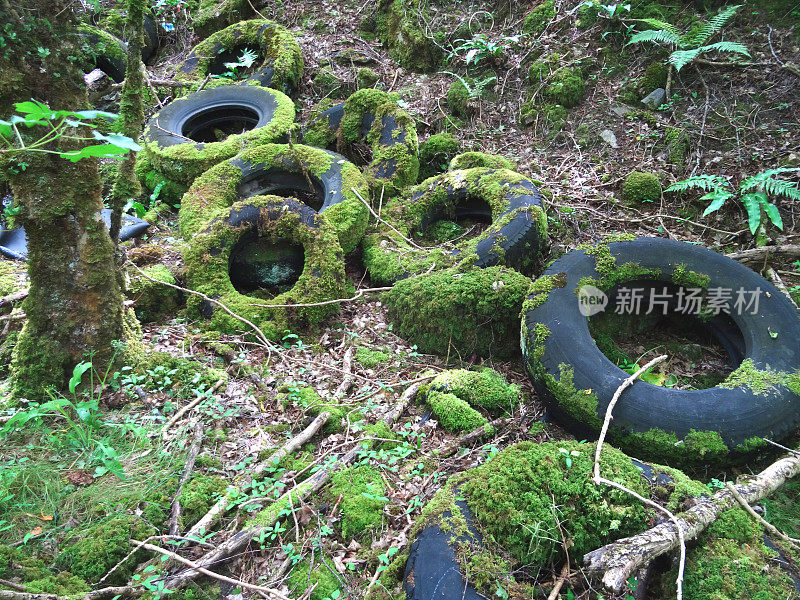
(763, 253)
(9, 300)
(598, 479)
(205, 523)
(618, 560)
(358, 295)
(475, 435)
(200, 397)
(175, 511)
(793, 543)
(109, 592)
(347, 381)
(204, 571)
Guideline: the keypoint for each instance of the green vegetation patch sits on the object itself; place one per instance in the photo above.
(398, 27)
(471, 160)
(362, 490)
(641, 187)
(321, 576)
(541, 15)
(436, 153)
(484, 388)
(370, 358)
(198, 496)
(153, 300)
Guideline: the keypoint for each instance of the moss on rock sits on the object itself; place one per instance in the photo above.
(398, 28)
(541, 15)
(326, 83)
(153, 300)
(641, 187)
(452, 313)
(485, 388)
(459, 99)
(677, 142)
(362, 500)
(436, 153)
(370, 358)
(366, 78)
(198, 496)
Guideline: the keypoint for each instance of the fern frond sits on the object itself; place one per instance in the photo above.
(781, 187)
(714, 26)
(681, 58)
(660, 36)
(660, 25)
(701, 182)
(727, 47)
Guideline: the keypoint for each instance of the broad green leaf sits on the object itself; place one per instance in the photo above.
(93, 114)
(752, 202)
(35, 108)
(717, 202)
(77, 374)
(118, 140)
(681, 58)
(773, 214)
(99, 150)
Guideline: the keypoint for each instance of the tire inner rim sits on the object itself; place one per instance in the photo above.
(215, 123)
(279, 182)
(265, 266)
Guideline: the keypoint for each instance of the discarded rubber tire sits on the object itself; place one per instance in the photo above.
(276, 224)
(372, 117)
(104, 51)
(515, 238)
(280, 169)
(114, 23)
(679, 427)
(179, 139)
(14, 242)
(282, 65)
(155, 183)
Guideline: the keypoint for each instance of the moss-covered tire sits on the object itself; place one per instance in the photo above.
(281, 169)
(517, 235)
(114, 22)
(179, 138)
(103, 51)
(759, 399)
(282, 65)
(372, 117)
(279, 222)
(168, 191)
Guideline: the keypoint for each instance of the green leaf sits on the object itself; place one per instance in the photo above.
(717, 202)
(77, 374)
(36, 109)
(93, 114)
(681, 58)
(99, 150)
(752, 202)
(120, 141)
(773, 214)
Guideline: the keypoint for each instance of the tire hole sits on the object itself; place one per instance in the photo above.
(702, 353)
(214, 124)
(462, 221)
(265, 267)
(277, 182)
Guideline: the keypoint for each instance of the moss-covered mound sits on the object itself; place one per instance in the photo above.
(460, 313)
(198, 496)
(259, 225)
(91, 553)
(153, 300)
(165, 190)
(321, 576)
(176, 160)
(282, 168)
(281, 65)
(397, 26)
(36, 575)
(373, 117)
(213, 15)
(472, 160)
(641, 187)
(362, 499)
(436, 153)
(102, 50)
(508, 198)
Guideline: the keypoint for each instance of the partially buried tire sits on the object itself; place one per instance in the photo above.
(374, 118)
(104, 51)
(324, 179)
(263, 251)
(198, 131)
(508, 201)
(680, 427)
(281, 66)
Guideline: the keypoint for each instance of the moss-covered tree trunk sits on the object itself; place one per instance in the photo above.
(74, 306)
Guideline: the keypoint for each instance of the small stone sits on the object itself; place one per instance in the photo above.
(351, 55)
(792, 160)
(621, 110)
(655, 98)
(609, 138)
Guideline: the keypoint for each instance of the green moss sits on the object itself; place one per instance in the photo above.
(213, 193)
(152, 300)
(92, 552)
(485, 388)
(273, 43)
(541, 15)
(397, 26)
(677, 141)
(759, 381)
(366, 78)
(169, 192)
(213, 15)
(436, 153)
(458, 99)
(198, 496)
(307, 398)
(641, 187)
(511, 499)
(453, 413)
(451, 313)
(321, 577)
(362, 500)
(9, 280)
(471, 160)
(655, 76)
(540, 289)
(687, 278)
(566, 87)
(370, 358)
(326, 83)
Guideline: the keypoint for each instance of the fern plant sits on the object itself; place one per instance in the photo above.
(754, 192)
(692, 44)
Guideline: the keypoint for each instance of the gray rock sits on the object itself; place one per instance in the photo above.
(655, 98)
(609, 138)
(621, 110)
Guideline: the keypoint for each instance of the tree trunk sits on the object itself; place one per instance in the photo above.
(74, 306)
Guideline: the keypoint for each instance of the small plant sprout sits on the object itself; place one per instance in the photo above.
(568, 456)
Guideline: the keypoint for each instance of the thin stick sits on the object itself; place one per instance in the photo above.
(204, 571)
(200, 397)
(347, 365)
(777, 445)
(766, 525)
(598, 479)
(175, 512)
(358, 295)
(374, 214)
